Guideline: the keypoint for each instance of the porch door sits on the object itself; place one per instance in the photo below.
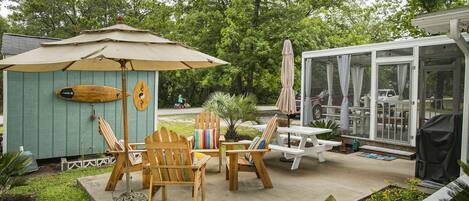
(392, 102)
(440, 90)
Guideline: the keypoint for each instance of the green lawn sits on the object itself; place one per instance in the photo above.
(63, 186)
(187, 129)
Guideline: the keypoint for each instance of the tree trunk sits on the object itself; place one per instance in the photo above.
(250, 80)
(237, 86)
(231, 133)
(252, 67)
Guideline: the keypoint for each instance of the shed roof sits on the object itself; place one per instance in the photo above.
(13, 44)
(439, 22)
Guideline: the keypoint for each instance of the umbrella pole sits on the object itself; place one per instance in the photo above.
(127, 195)
(288, 122)
(126, 129)
(283, 158)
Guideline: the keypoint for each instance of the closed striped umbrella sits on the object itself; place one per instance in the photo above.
(286, 101)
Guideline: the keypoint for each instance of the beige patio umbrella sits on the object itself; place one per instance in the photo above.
(286, 101)
(115, 48)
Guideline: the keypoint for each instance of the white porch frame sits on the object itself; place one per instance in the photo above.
(5, 111)
(415, 44)
(413, 62)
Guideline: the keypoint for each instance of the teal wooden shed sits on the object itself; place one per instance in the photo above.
(50, 127)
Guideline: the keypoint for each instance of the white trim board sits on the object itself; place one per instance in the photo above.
(5, 111)
(409, 43)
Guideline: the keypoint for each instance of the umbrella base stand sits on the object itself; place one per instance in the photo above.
(132, 196)
(283, 158)
(286, 160)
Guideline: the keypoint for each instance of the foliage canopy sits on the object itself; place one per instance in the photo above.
(247, 33)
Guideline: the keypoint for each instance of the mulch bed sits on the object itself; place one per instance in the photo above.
(46, 169)
(18, 198)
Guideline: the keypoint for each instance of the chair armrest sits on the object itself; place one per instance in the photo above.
(136, 144)
(133, 145)
(202, 162)
(130, 151)
(190, 138)
(230, 145)
(203, 150)
(236, 143)
(247, 151)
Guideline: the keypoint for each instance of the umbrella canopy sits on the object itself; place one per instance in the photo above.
(98, 50)
(115, 48)
(286, 100)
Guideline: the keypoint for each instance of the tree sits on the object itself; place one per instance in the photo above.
(247, 33)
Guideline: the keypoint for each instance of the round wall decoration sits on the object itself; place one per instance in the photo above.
(141, 95)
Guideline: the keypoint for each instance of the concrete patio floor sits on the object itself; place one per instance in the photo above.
(346, 177)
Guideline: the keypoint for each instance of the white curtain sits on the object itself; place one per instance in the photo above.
(401, 79)
(357, 80)
(308, 113)
(343, 62)
(330, 73)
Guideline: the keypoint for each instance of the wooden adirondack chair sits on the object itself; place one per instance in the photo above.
(208, 120)
(236, 163)
(119, 168)
(171, 163)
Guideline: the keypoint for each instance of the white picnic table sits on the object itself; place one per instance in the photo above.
(304, 134)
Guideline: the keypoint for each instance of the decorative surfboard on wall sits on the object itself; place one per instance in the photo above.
(89, 93)
(141, 95)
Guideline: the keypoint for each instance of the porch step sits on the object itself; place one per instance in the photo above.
(393, 152)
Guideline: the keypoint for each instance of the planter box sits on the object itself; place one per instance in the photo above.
(442, 194)
(380, 191)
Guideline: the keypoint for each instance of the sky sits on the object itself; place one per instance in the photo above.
(3, 8)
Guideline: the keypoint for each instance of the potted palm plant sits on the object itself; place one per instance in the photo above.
(233, 110)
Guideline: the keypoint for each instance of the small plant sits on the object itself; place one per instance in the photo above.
(329, 124)
(12, 166)
(234, 110)
(411, 193)
(459, 191)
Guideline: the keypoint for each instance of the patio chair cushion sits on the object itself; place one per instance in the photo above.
(205, 139)
(257, 143)
(133, 157)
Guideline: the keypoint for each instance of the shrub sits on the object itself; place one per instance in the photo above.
(329, 124)
(12, 166)
(411, 193)
(234, 110)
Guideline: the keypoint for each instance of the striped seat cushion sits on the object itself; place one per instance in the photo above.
(257, 143)
(205, 139)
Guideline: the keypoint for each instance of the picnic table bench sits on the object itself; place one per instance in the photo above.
(304, 134)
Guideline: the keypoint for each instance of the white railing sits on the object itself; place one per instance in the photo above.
(358, 116)
(393, 122)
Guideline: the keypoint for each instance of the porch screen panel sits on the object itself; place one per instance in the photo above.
(401, 79)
